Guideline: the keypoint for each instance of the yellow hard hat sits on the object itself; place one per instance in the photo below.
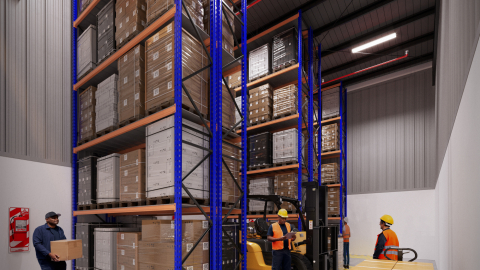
(283, 213)
(388, 219)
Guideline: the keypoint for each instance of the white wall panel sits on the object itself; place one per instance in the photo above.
(35, 80)
(387, 138)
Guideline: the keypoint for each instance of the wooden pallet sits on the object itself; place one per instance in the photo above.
(259, 122)
(108, 205)
(132, 203)
(284, 65)
(168, 104)
(91, 138)
(85, 74)
(329, 117)
(106, 131)
(333, 215)
(86, 207)
(285, 163)
(227, 204)
(329, 150)
(106, 56)
(130, 37)
(130, 120)
(171, 199)
(259, 77)
(283, 115)
(259, 167)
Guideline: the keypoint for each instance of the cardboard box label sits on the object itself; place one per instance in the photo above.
(170, 85)
(125, 57)
(156, 73)
(156, 37)
(122, 267)
(122, 252)
(122, 236)
(169, 28)
(189, 247)
(204, 224)
(137, 73)
(169, 66)
(127, 19)
(156, 91)
(205, 246)
(155, 56)
(169, 47)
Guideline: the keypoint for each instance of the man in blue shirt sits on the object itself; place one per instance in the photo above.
(42, 236)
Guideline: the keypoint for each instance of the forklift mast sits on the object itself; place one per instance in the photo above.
(318, 231)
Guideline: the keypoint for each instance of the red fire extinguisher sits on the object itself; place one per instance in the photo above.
(19, 228)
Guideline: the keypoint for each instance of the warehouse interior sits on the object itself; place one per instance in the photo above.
(405, 111)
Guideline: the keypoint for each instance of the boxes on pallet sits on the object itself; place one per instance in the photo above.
(333, 201)
(87, 181)
(84, 232)
(330, 138)
(131, 85)
(106, 31)
(259, 62)
(330, 173)
(285, 146)
(160, 159)
(130, 19)
(261, 186)
(284, 49)
(157, 245)
(230, 191)
(127, 250)
(229, 252)
(156, 8)
(106, 247)
(106, 107)
(330, 103)
(108, 178)
(235, 80)
(132, 176)
(87, 114)
(285, 101)
(286, 185)
(260, 150)
(160, 57)
(228, 107)
(87, 51)
(260, 104)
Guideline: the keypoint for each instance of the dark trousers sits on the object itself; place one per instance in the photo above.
(346, 253)
(281, 259)
(49, 265)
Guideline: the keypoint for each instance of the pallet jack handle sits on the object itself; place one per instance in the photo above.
(400, 253)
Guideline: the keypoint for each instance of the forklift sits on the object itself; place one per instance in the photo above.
(310, 250)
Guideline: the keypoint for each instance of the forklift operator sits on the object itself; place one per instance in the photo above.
(277, 234)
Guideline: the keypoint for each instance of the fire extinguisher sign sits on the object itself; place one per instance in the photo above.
(19, 227)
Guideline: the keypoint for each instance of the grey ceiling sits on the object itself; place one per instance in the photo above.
(326, 12)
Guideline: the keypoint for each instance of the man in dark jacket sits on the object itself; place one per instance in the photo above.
(41, 241)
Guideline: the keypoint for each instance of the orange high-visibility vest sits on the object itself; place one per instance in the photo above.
(277, 233)
(392, 242)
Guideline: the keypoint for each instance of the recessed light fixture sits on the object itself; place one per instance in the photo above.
(375, 42)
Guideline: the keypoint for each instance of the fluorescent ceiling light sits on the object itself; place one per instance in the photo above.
(373, 43)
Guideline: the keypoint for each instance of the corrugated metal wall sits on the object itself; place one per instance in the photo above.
(391, 135)
(458, 37)
(35, 80)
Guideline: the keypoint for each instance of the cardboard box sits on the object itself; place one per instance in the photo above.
(285, 101)
(235, 80)
(156, 8)
(131, 19)
(132, 175)
(67, 249)
(87, 51)
(285, 146)
(108, 178)
(163, 230)
(260, 149)
(87, 181)
(284, 49)
(106, 31)
(259, 62)
(127, 250)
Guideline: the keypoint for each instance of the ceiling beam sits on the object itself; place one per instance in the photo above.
(379, 31)
(317, 32)
(306, 6)
(402, 46)
(405, 64)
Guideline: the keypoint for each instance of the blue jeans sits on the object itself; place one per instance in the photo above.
(281, 259)
(49, 265)
(346, 253)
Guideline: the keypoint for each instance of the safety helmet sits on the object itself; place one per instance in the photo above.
(283, 213)
(345, 219)
(387, 219)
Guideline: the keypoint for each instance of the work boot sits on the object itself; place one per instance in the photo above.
(347, 266)
(344, 266)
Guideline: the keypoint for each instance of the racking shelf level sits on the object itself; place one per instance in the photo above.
(276, 79)
(150, 210)
(273, 171)
(275, 124)
(89, 15)
(109, 65)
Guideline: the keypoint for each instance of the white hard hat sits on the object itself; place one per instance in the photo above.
(345, 219)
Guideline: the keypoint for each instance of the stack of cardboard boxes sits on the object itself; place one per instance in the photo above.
(261, 186)
(235, 80)
(259, 62)
(286, 185)
(132, 176)
(131, 85)
(160, 159)
(130, 19)
(260, 104)
(330, 103)
(127, 250)
(108, 178)
(160, 57)
(284, 49)
(230, 191)
(333, 201)
(330, 173)
(84, 232)
(106, 114)
(156, 8)
(157, 247)
(87, 181)
(106, 247)
(285, 101)
(87, 51)
(285, 146)
(87, 114)
(106, 31)
(260, 150)
(330, 138)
